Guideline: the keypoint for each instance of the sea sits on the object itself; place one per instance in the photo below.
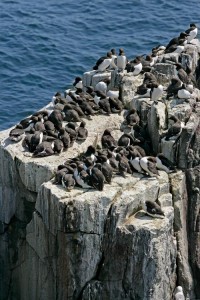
(45, 44)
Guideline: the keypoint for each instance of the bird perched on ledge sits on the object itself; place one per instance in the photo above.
(152, 209)
(103, 62)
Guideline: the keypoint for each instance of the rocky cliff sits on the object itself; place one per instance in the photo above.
(87, 244)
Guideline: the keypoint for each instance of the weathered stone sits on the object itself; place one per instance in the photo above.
(193, 223)
(180, 200)
(156, 124)
(164, 72)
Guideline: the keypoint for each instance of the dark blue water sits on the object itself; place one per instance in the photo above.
(44, 44)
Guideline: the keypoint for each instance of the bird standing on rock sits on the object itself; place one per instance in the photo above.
(175, 130)
(82, 132)
(121, 60)
(103, 62)
(132, 117)
(148, 164)
(156, 91)
(16, 134)
(152, 209)
(192, 32)
(108, 140)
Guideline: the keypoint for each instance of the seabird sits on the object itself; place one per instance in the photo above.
(103, 63)
(135, 161)
(71, 114)
(68, 182)
(61, 170)
(173, 87)
(192, 32)
(132, 117)
(86, 107)
(16, 134)
(81, 176)
(112, 160)
(114, 59)
(58, 146)
(90, 153)
(183, 93)
(134, 66)
(152, 209)
(104, 104)
(97, 178)
(148, 164)
(70, 128)
(65, 138)
(143, 91)
(149, 78)
(116, 105)
(121, 60)
(176, 48)
(44, 149)
(175, 130)
(147, 63)
(56, 117)
(78, 84)
(123, 165)
(106, 169)
(113, 94)
(178, 294)
(82, 132)
(36, 139)
(156, 91)
(182, 75)
(125, 140)
(108, 140)
(102, 85)
(183, 35)
(163, 163)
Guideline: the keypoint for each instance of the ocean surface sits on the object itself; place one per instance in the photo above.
(45, 44)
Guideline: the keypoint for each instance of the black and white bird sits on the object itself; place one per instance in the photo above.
(103, 62)
(174, 87)
(82, 177)
(135, 66)
(44, 149)
(175, 130)
(181, 73)
(132, 117)
(82, 132)
(163, 163)
(156, 91)
(183, 93)
(152, 209)
(65, 138)
(178, 293)
(192, 31)
(121, 60)
(174, 41)
(78, 84)
(97, 177)
(123, 165)
(16, 134)
(102, 85)
(108, 140)
(106, 169)
(148, 164)
(68, 182)
(113, 64)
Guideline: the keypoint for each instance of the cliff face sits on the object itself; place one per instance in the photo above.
(87, 244)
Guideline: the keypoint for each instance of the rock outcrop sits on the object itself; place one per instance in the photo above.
(87, 244)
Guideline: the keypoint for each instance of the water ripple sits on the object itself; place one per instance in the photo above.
(43, 45)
